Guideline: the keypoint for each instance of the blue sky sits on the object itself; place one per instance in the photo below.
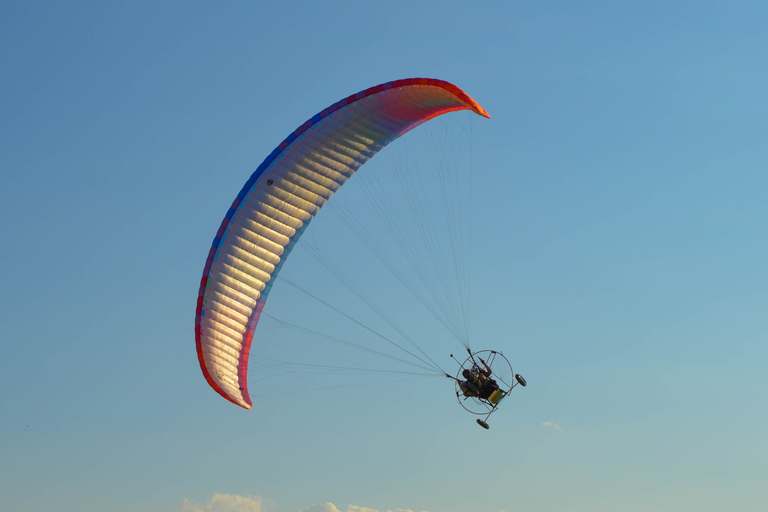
(622, 230)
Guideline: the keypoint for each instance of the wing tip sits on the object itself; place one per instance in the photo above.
(481, 111)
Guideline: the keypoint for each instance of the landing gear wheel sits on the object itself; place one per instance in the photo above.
(519, 378)
(483, 424)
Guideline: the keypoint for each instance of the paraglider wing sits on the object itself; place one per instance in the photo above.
(280, 199)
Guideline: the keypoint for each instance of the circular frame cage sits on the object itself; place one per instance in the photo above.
(501, 372)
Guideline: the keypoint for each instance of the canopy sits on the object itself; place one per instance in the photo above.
(278, 202)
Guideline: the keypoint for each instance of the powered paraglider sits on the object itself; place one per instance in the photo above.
(278, 202)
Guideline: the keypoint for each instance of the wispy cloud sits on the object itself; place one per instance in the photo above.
(325, 507)
(353, 508)
(552, 424)
(233, 503)
(330, 507)
(226, 503)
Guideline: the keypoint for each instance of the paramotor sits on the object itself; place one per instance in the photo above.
(483, 380)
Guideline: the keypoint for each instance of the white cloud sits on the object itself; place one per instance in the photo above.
(353, 508)
(233, 503)
(330, 507)
(226, 503)
(325, 507)
(552, 424)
